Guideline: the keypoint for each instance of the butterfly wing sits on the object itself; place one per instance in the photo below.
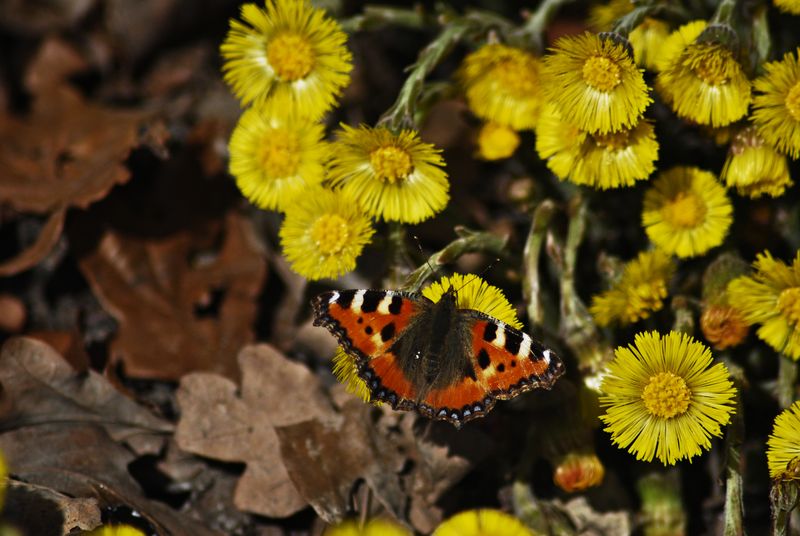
(366, 324)
(504, 362)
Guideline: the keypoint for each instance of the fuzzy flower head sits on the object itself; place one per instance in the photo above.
(482, 522)
(664, 398)
(647, 40)
(496, 141)
(290, 52)
(776, 107)
(373, 527)
(755, 168)
(723, 325)
(595, 84)
(771, 297)
(686, 211)
(472, 292)
(640, 291)
(578, 471)
(601, 161)
(503, 85)
(704, 82)
(558, 143)
(274, 155)
(323, 234)
(783, 445)
(396, 177)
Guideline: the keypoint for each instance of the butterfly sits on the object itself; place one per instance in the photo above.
(444, 362)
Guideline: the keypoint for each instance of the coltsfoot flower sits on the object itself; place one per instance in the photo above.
(776, 106)
(664, 399)
(755, 168)
(783, 445)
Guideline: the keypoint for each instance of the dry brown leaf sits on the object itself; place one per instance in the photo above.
(219, 422)
(33, 254)
(157, 290)
(38, 385)
(57, 433)
(325, 458)
(66, 153)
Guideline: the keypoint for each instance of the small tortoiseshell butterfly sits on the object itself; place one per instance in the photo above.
(447, 363)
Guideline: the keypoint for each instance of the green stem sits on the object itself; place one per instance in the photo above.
(684, 319)
(787, 376)
(734, 467)
(626, 24)
(724, 13)
(533, 249)
(374, 17)
(401, 114)
(468, 242)
(399, 254)
(532, 33)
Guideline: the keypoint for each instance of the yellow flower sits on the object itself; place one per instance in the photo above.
(472, 292)
(783, 445)
(483, 522)
(396, 177)
(597, 160)
(616, 159)
(346, 371)
(496, 141)
(776, 107)
(647, 40)
(290, 52)
(664, 399)
(602, 17)
(673, 46)
(502, 85)
(3, 479)
(577, 472)
(771, 297)
(788, 6)
(594, 84)
(373, 527)
(640, 290)
(686, 211)
(754, 168)
(116, 530)
(558, 142)
(323, 234)
(705, 84)
(275, 155)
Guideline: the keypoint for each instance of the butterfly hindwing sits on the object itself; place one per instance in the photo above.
(508, 361)
(367, 323)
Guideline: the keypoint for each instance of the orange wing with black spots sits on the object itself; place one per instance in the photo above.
(505, 362)
(367, 323)
(502, 362)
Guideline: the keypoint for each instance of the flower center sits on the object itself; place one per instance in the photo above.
(601, 73)
(666, 395)
(280, 154)
(291, 56)
(793, 101)
(390, 163)
(711, 63)
(517, 77)
(330, 233)
(614, 141)
(789, 305)
(686, 210)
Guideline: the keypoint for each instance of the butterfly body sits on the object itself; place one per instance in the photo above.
(445, 362)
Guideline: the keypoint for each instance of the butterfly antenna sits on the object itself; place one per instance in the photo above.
(467, 281)
(422, 252)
